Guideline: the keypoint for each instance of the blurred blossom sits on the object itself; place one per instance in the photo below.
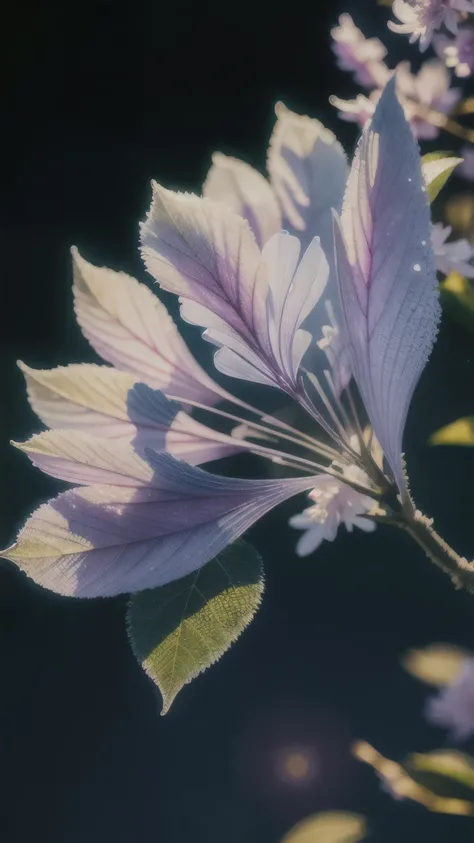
(359, 55)
(358, 110)
(457, 52)
(427, 91)
(421, 18)
(456, 254)
(466, 169)
(453, 706)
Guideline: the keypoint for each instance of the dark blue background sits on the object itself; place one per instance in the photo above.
(97, 99)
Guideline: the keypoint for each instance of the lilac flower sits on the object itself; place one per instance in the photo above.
(359, 110)
(421, 18)
(360, 55)
(427, 91)
(424, 97)
(453, 706)
(143, 517)
(453, 255)
(458, 52)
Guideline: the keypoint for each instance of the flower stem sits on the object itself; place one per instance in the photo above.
(420, 528)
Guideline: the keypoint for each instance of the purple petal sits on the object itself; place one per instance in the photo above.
(106, 540)
(295, 289)
(387, 273)
(203, 252)
(100, 402)
(128, 326)
(248, 193)
(251, 304)
(308, 169)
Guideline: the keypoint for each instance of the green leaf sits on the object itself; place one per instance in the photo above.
(328, 827)
(460, 432)
(457, 297)
(437, 168)
(439, 780)
(180, 629)
(436, 664)
(446, 772)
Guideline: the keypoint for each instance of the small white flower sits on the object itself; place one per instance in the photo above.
(334, 504)
(456, 254)
(453, 706)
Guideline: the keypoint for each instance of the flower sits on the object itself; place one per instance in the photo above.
(363, 56)
(457, 52)
(421, 18)
(427, 91)
(359, 110)
(455, 255)
(141, 516)
(335, 503)
(453, 706)
(424, 97)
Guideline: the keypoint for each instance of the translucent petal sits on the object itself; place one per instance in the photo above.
(129, 326)
(387, 273)
(106, 540)
(248, 193)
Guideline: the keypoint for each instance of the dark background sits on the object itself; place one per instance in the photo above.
(97, 99)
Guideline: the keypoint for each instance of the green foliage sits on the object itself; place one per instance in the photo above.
(437, 168)
(328, 827)
(460, 432)
(180, 629)
(442, 781)
(457, 297)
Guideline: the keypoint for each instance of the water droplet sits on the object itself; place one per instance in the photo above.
(423, 189)
(409, 179)
(417, 267)
(423, 242)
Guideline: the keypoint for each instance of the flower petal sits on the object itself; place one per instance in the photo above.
(295, 289)
(128, 326)
(100, 401)
(197, 249)
(247, 192)
(387, 273)
(250, 305)
(308, 169)
(107, 540)
(82, 396)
